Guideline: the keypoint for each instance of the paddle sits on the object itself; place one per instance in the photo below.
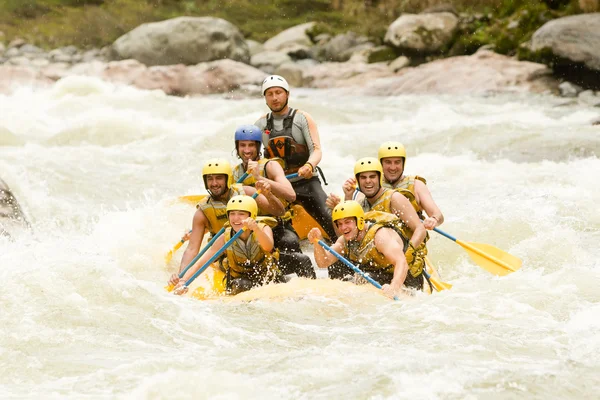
(348, 263)
(488, 257)
(197, 198)
(210, 260)
(436, 283)
(212, 241)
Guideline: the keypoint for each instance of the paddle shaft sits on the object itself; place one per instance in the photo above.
(348, 263)
(212, 241)
(476, 250)
(214, 257)
(181, 242)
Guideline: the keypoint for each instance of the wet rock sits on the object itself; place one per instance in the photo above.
(30, 49)
(294, 35)
(12, 52)
(589, 97)
(39, 62)
(422, 33)
(575, 38)
(12, 217)
(335, 75)
(16, 43)
(481, 73)
(322, 38)
(268, 61)
(254, 47)
(297, 51)
(182, 40)
(568, 89)
(219, 77)
(399, 63)
(20, 60)
(292, 72)
(341, 47)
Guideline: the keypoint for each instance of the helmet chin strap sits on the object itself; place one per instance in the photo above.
(375, 195)
(282, 107)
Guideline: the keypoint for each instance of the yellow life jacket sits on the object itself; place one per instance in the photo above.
(406, 186)
(216, 210)
(249, 259)
(381, 212)
(238, 171)
(365, 252)
(383, 205)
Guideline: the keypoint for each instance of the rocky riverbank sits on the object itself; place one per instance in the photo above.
(204, 55)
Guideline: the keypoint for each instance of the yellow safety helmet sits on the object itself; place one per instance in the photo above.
(368, 164)
(391, 149)
(243, 203)
(217, 166)
(349, 209)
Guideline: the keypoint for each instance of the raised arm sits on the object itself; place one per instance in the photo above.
(323, 258)
(280, 185)
(405, 211)
(424, 198)
(267, 202)
(389, 243)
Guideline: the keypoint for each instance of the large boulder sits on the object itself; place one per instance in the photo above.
(422, 33)
(336, 75)
(341, 47)
(482, 73)
(268, 61)
(182, 40)
(12, 77)
(205, 78)
(292, 36)
(219, 77)
(12, 217)
(575, 38)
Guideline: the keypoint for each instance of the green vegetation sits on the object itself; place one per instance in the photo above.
(503, 24)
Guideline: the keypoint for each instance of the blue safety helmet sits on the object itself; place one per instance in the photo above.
(248, 132)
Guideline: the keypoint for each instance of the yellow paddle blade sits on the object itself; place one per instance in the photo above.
(169, 288)
(434, 277)
(169, 255)
(439, 285)
(492, 259)
(192, 199)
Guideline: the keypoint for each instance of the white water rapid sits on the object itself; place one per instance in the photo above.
(84, 313)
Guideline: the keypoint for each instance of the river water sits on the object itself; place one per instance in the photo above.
(97, 167)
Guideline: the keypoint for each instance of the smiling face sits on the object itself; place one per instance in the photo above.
(237, 218)
(347, 227)
(277, 99)
(247, 150)
(393, 168)
(216, 184)
(369, 183)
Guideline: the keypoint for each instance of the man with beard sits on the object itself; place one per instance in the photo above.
(368, 179)
(392, 156)
(211, 213)
(248, 142)
(292, 135)
(376, 247)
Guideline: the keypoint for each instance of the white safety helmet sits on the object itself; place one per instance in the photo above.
(275, 81)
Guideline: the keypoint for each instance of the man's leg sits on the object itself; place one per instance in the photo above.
(311, 196)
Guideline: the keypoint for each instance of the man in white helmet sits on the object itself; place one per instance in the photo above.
(292, 135)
